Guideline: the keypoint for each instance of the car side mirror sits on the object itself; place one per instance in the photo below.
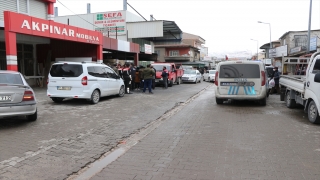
(317, 78)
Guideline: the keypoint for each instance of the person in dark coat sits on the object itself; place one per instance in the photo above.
(153, 78)
(133, 76)
(276, 78)
(147, 74)
(164, 75)
(126, 74)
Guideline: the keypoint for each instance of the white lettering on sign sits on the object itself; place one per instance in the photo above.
(26, 24)
(35, 26)
(43, 27)
(71, 32)
(56, 30)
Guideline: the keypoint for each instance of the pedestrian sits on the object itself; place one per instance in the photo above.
(137, 79)
(147, 78)
(164, 75)
(133, 76)
(153, 77)
(126, 74)
(141, 76)
(115, 68)
(276, 77)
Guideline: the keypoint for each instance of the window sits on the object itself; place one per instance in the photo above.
(173, 53)
(66, 70)
(10, 79)
(190, 72)
(239, 71)
(316, 68)
(301, 40)
(97, 71)
(111, 73)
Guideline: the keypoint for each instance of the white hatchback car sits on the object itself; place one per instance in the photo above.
(191, 75)
(241, 80)
(83, 80)
(209, 75)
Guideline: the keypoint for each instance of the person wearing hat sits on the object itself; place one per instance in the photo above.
(276, 77)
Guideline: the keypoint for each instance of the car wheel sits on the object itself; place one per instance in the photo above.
(196, 81)
(290, 103)
(313, 114)
(170, 83)
(57, 99)
(263, 101)
(179, 81)
(121, 91)
(95, 97)
(200, 80)
(219, 101)
(33, 117)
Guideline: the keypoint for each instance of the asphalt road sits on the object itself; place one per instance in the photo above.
(69, 136)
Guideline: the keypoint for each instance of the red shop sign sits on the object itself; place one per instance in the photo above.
(24, 24)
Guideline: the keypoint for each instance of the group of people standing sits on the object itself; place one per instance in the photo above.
(139, 77)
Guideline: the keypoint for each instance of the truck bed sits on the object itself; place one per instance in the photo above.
(295, 82)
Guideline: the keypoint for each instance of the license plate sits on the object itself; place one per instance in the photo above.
(63, 87)
(5, 98)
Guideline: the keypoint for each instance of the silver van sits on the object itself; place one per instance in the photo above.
(241, 80)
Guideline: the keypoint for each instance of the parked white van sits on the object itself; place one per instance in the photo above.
(83, 80)
(241, 80)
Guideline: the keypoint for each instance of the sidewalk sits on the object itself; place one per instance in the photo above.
(205, 141)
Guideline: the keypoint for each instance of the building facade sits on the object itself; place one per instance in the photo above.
(30, 39)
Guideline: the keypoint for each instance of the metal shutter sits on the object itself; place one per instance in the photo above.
(23, 8)
(7, 5)
(38, 9)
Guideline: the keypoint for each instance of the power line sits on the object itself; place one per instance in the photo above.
(136, 11)
(77, 14)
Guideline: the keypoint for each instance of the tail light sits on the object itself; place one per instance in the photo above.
(216, 78)
(263, 78)
(84, 81)
(28, 96)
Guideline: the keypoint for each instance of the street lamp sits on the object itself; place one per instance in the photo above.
(257, 47)
(270, 33)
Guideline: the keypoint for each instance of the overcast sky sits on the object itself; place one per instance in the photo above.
(226, 25)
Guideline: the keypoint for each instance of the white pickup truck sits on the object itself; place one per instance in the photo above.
(304, 89)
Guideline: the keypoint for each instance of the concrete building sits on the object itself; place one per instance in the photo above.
(30, 39)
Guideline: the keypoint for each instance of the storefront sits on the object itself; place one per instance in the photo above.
(31, 44)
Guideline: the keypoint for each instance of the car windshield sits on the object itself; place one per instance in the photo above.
(212, 72)
(10, 78)
(66, 70)
(190, 72)
(159, 67)
(239, 71)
